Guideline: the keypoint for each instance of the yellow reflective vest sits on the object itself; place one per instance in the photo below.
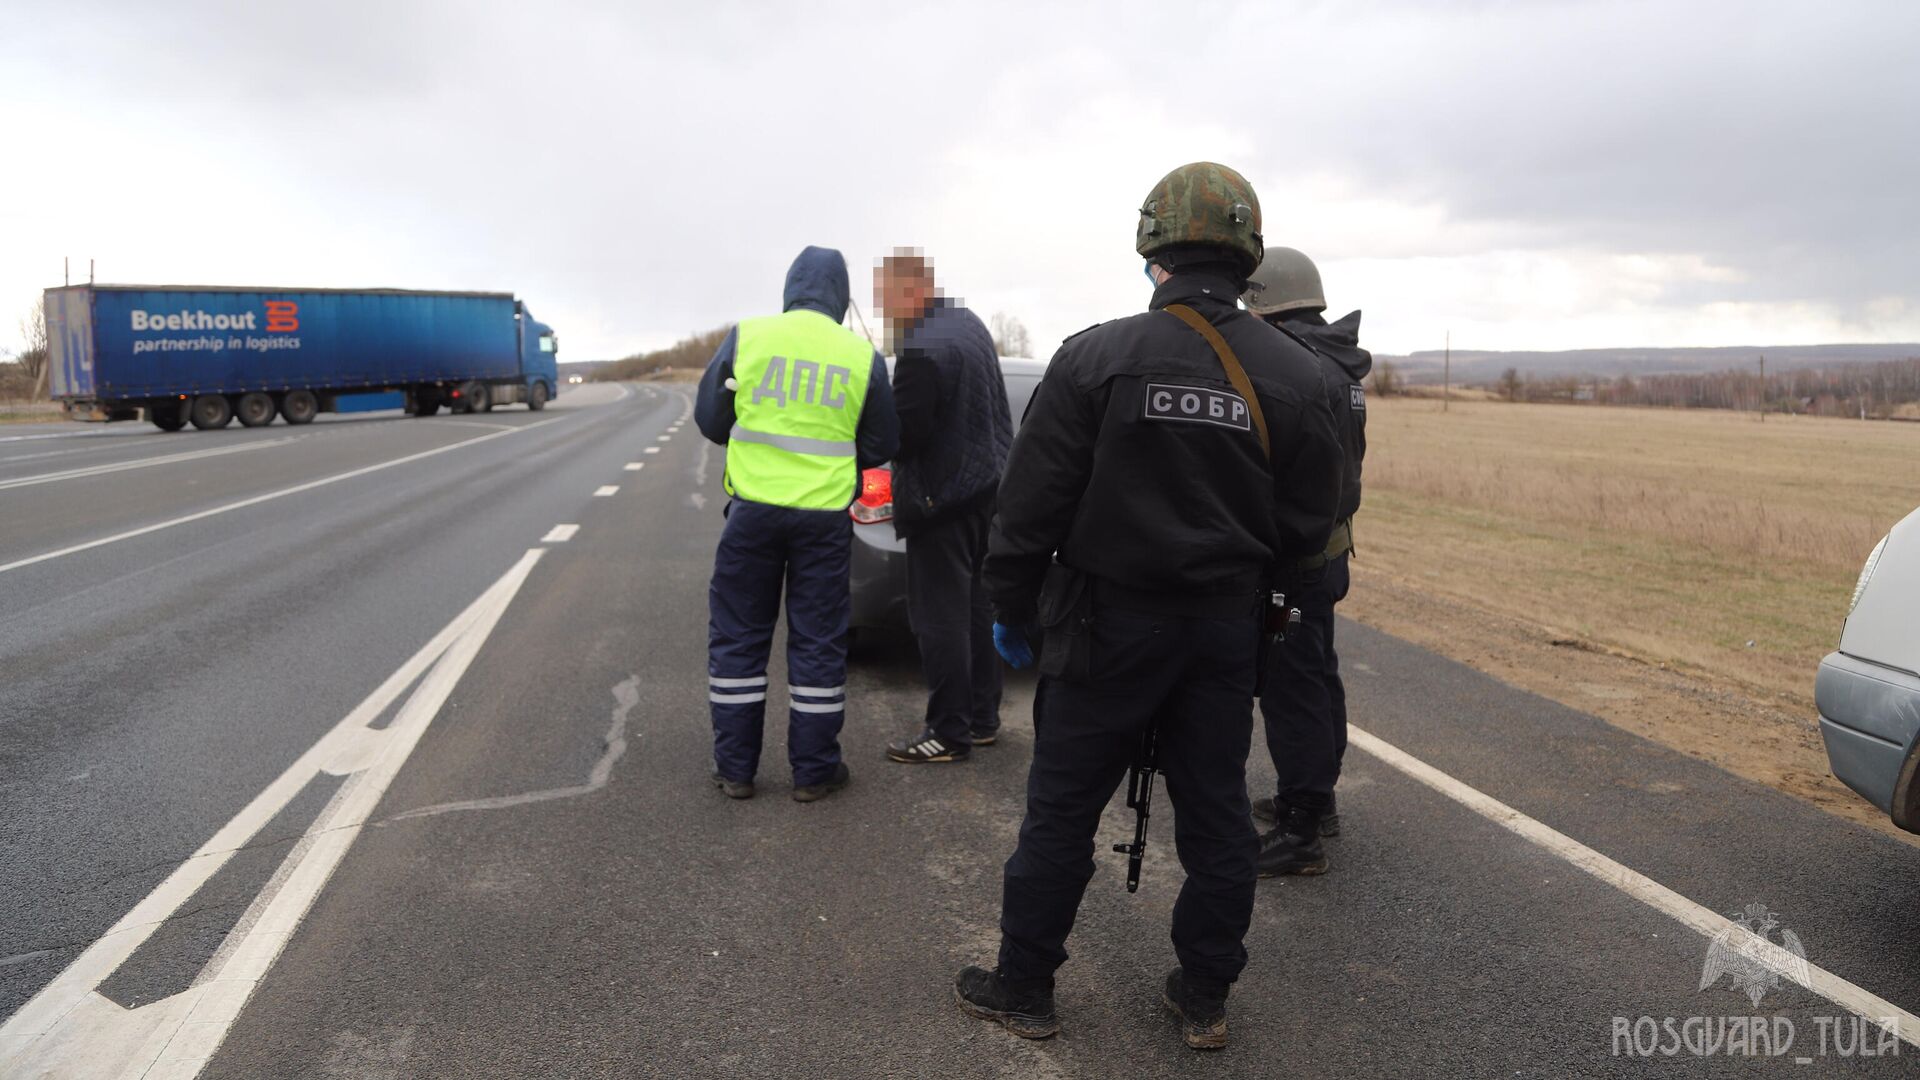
(800, 382)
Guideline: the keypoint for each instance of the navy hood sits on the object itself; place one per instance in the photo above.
(817, 281)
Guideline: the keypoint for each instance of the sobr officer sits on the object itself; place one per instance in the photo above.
(1169, 463)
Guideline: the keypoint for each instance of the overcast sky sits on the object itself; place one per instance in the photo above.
(1527, 175)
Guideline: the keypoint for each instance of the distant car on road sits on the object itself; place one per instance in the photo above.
(575, 380)
(1868, 691)
(880, 557)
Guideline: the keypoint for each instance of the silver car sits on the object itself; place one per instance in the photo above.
(880, 557)
(1868, 691)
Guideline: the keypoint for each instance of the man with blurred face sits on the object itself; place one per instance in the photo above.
(955, 429)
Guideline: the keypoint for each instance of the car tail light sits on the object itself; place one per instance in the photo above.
(1866, 573)
(875, 503)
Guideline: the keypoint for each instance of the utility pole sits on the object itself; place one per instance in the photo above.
(1446, 374)
(1763, 388)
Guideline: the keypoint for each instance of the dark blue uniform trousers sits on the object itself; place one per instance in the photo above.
(1305, 703)
(762, 548)
(1194, 677)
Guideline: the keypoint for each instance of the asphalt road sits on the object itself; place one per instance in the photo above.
(331, 752)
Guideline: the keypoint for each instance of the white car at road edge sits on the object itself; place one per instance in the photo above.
(1868, 691)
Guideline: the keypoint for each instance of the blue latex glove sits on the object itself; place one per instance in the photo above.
(1011, 643)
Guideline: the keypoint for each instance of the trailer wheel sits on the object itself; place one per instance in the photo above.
(299, 407)
(255, 410)
(426, 401)
(481, 400)
(211, 411)
(537, 397)
(168, 417)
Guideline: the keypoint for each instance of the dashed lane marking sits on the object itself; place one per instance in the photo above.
(560, 534)
(634, 466)
(605, 490)
(1877, 1010)
(652, 450)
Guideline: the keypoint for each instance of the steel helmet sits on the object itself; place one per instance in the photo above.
(1202, 203)
(1286, 280)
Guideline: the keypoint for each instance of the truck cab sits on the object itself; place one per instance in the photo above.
(539, 356)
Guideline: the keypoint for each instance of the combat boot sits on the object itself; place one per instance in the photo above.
(1202, 1008)
(1026, 1009)
(1330, 821)
(1293, 847)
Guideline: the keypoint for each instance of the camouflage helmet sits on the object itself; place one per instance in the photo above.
(1203, 203)
(1286, 281)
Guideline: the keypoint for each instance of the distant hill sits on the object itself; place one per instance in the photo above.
(1480, 366)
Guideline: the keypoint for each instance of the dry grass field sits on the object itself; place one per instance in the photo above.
(1678, 573)
(1703, 540)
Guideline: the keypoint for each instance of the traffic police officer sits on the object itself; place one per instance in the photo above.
(1305, 703)
(1168, 462)
(801, 404)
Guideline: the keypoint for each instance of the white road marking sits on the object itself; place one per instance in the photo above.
(651, 450)
(605, 490)
(560, 534)
(258, 499)
(1874, 1009)
(666, 438)
(634, 466)
(68, 1028)
(142, 463)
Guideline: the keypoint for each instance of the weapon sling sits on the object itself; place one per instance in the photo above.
(1140, 774)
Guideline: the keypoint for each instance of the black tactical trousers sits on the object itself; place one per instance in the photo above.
(1305, 703)
(953, 619)
(1195, 678)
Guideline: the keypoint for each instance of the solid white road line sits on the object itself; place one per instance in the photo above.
(605, 490)
(69, 1029)
(560, 534)
(268, 497)
(1709, 924)
(634, 466)
(142, 463)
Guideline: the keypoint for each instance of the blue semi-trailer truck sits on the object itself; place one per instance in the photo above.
(207, 355)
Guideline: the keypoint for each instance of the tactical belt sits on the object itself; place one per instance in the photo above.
(1338, 544)
(1179, 605)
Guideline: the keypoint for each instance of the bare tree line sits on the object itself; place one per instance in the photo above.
(21, 376)
(1876, 389)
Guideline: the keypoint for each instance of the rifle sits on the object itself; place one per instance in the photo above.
(1139, 799)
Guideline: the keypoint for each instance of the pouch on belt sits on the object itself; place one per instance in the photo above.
(1065, 614)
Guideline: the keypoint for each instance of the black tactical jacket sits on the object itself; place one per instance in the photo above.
(1347, 366)
(1139, 464)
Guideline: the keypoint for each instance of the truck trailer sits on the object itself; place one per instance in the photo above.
(207, 355)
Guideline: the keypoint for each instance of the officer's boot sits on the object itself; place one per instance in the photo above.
(1202, 1008)
(1330, 821)
(1026, 1008)
(1293, 847)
